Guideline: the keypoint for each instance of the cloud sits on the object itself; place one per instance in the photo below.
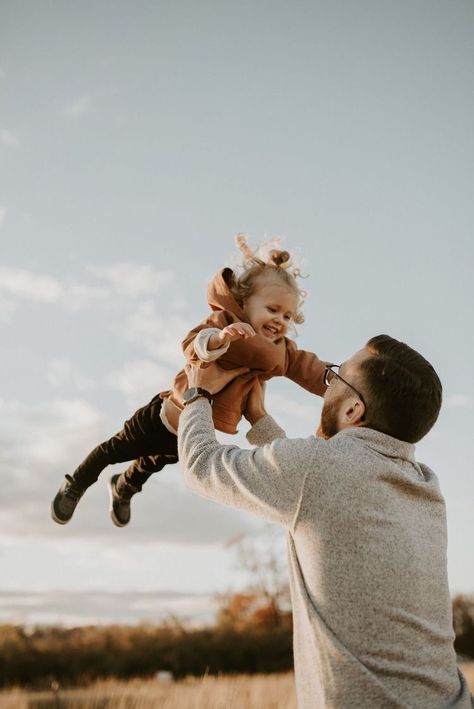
(79, 296)
(141, 379)
(71, 608)
(26, 285)
(40, 443)
(3, 214)
(50, 433)
(7, 308)
(43, 442)
(78, 107)
(135, 280)
(62, 372)
(118, 282)
(160, 336)
(458, 401)
(9, 138)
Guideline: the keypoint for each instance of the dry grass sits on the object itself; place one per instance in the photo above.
(251, 692)
(226, 692)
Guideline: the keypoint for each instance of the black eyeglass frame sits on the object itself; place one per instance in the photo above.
(329, 368)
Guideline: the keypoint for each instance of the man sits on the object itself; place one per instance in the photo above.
(366, 528)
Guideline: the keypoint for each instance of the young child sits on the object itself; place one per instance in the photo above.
(251, 316)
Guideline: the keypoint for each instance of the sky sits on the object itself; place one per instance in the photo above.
(136, 139)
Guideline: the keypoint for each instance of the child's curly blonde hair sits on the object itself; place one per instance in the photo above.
(265, 260)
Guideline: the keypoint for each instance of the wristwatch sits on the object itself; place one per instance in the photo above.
(196, 393)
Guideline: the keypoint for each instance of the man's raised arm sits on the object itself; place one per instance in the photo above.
(266, 481)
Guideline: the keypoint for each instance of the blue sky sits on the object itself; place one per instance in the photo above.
(135, 141)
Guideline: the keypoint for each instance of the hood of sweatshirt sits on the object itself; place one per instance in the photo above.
(219, 295)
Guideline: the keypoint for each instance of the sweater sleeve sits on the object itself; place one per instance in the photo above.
(265, 430)
(217, 320)
(201, 345)
(265, 481)
(305, 368)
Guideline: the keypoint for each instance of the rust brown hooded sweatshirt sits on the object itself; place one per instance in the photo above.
(265, 358)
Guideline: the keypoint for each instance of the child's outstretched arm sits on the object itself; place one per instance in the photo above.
(210, 340)
(306, 369)
(231, 333)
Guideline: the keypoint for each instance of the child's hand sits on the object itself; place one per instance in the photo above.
(236, 331)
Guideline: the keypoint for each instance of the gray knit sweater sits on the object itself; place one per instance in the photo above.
(367, 558)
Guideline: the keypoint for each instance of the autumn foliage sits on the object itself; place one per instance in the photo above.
(463, 622)
(247, 638)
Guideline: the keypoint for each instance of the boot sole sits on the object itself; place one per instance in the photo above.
(114, 519)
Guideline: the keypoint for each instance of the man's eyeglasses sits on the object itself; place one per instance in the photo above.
(330, 374)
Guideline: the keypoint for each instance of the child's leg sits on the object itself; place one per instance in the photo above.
(142, 435)
(123, 487)
(142, 468)
(89, 470)
(139, 437)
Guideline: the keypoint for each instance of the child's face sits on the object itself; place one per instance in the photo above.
(271, 307)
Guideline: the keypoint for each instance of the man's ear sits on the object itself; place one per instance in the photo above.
(353, 412)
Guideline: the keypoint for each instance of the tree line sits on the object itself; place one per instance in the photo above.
(249, 636)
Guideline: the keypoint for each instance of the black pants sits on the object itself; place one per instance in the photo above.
(143, 439)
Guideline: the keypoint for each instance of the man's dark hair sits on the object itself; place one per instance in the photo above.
(403, 391)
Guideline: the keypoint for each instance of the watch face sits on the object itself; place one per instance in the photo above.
(190, 394)
(195, 393)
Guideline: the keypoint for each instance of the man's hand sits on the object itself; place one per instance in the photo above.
(255, 408)
(212, 378)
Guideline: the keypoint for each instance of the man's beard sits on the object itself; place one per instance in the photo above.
(328, 426)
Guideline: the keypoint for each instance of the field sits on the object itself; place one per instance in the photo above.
(262, 691)
(251, 692)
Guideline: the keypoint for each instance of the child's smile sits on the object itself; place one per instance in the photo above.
(271, 308)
